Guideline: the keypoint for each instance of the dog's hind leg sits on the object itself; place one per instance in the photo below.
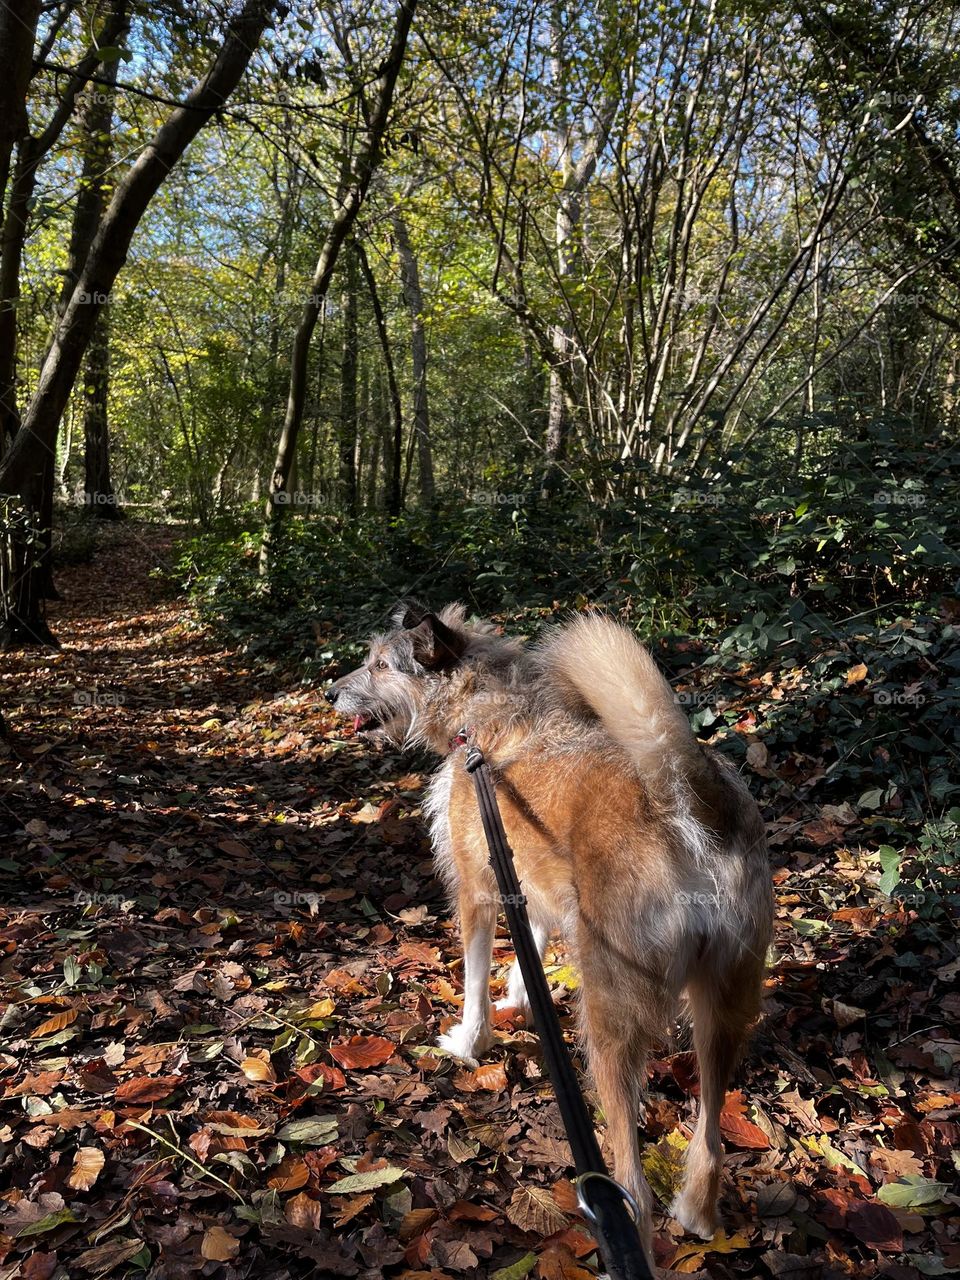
(620, 1025)
(478, 922)
(723, 1004)
(515, 996)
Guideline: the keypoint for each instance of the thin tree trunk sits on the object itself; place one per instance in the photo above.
(98, 484)
(393, 456)
(413, 297)
(348, 424)
(350, 197)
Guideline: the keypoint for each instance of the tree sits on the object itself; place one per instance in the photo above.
(356, 174)
(21, 471)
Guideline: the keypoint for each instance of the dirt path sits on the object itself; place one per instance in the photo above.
(224, 958)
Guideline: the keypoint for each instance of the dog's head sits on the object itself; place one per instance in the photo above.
(385, 695)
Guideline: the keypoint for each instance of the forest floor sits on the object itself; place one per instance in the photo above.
(225, 960)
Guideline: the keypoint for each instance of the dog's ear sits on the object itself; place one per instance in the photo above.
(436, 645)
(409, 613)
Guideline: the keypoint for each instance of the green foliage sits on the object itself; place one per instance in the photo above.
(840, 588)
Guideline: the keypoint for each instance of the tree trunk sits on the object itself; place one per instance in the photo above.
(98, 485)
(11, 256)
(350, 197)
(348, 425)
(393, 455)
(413, 297)
(18, 28)
(22, 468)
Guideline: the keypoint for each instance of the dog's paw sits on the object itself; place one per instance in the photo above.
(464, 1042)
(693, 1219)
(518, 1006)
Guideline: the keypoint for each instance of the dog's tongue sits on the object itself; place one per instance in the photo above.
(357, 723)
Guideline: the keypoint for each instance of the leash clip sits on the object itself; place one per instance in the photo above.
(473, 760)
(584, 1203)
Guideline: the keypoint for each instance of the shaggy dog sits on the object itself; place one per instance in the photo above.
(641, 847)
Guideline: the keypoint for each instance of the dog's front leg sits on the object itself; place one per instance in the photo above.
(473, 1036)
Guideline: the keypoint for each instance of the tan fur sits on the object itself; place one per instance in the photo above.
(644, 850)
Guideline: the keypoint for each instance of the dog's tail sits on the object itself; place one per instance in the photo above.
(605, 667)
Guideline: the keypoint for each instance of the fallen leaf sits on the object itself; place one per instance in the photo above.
(87, 1164)
(363, 1051)
(534, 1209)
(219, 1245)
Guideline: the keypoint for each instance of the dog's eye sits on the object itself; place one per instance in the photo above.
(381, 665)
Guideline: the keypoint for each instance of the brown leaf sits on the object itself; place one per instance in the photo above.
(558, 1263)
(55, 1024)
(39, 1266)
(303, 1211)
(147, 1088)
(876, 1226)
(415, 1222)
(534, 1209)
(87, 1164)
(105, 1258)
(219, 1245)
(363, 1051)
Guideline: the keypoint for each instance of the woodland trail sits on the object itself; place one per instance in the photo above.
(224, 959)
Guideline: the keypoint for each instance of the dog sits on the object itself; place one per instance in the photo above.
(642, 847)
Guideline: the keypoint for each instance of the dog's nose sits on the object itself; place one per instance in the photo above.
(331, 694)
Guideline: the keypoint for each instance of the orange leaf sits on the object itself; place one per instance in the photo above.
(218, 1245)
(55, 1024)
(352, 1206)
(290, 1175)
(87, 1164)
(258, 1069)
(363, 1051)
(491, 1076)
(742, 1133)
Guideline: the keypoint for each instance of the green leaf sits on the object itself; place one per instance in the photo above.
(366, 1181)
(48, 1223)
(808, 927)
(516, 1270)
(316, 1131)
(871, 799)
(890, 861)
(912, 1190)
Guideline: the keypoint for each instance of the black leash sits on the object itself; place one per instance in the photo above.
(604, 1202)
